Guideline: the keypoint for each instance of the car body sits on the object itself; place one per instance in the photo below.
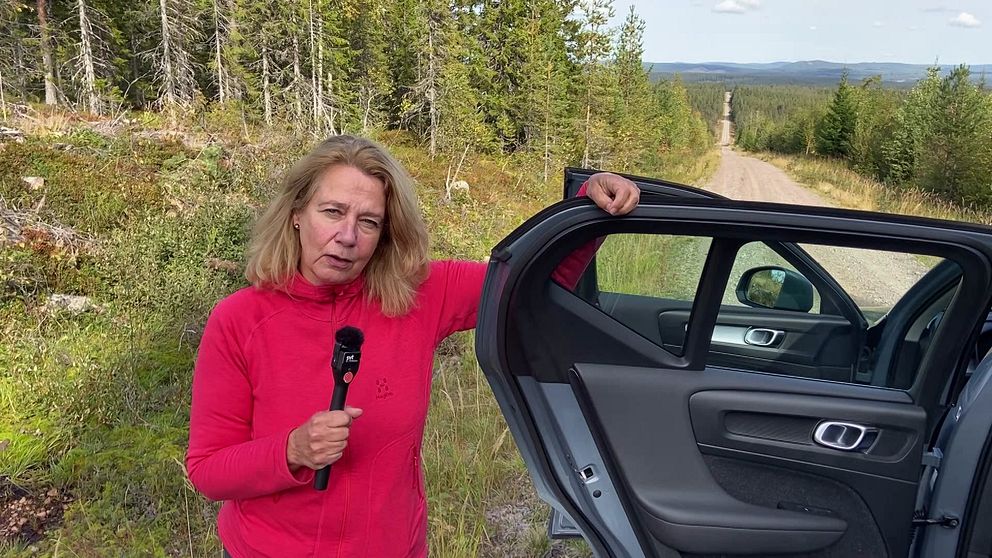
(708, 388)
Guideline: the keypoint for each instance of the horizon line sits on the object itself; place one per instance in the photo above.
(941, 64)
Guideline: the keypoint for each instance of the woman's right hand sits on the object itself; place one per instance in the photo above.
(321, 440)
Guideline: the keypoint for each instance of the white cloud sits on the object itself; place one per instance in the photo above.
(965, 19)
(914, 27)
(736, 6)
(812, 28)
(878, 24)
(729, 7)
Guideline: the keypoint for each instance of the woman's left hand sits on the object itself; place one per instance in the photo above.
(614, 194)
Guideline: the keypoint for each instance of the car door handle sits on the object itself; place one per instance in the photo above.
(763, 337)
(844, 436)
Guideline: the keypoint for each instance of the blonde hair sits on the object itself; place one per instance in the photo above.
(400, 262)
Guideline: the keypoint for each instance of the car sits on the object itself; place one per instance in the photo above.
(739, 378)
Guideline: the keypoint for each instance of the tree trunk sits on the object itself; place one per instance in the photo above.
(547, 124)
(586, 134)
(46, 54)
(322, 88)
(235, 88)
(314, 76)
(368, 108)
(3, 100)
(169, 75)
(297, 77)
(266, 94)
(332, 112)
(89, 74)
(220, 64)
(432, 85)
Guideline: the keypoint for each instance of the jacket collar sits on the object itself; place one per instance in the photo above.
(300, 287)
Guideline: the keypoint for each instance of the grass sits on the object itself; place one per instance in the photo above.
(652, 265)
(846, 188)
(131, 215)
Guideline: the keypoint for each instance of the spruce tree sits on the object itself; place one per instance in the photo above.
(955, 161)
(836, 130)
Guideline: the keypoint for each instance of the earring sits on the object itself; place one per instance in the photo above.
(296, 226)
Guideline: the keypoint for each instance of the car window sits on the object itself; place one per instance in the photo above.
(874, 279)
(656, 265)
(770, 318)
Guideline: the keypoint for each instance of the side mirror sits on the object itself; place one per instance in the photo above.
(775, 287)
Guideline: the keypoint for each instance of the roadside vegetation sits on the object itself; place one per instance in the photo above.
(935, 139)
(707, 98)
(837, 182)
(127, 191)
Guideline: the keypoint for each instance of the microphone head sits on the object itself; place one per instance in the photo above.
(350, 336)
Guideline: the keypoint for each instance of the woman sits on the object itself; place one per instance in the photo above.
(343, 243)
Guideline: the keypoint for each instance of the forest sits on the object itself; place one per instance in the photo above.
(936, 137)
(549, 78)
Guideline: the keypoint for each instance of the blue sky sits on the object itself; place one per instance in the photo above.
(912, 31)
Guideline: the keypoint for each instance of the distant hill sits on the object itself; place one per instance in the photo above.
(813, 72)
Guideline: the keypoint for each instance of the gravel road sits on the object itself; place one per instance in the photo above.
(874, 279)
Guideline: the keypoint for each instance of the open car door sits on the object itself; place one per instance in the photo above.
(670, 430)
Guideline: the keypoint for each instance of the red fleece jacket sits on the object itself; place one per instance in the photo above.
(263, 369)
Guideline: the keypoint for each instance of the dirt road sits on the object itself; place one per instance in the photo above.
(725, 121)
(874, 279)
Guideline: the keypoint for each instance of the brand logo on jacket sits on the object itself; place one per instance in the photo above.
(382, 390)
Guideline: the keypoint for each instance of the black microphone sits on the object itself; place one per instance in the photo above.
(344, 364)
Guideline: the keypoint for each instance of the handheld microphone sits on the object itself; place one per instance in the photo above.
(344, 364)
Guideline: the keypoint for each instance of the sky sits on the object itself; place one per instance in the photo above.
(846, 31)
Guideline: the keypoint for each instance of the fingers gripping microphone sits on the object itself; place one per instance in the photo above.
(344, 364)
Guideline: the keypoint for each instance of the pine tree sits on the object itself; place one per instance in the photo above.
(461, 121)
(914, 125)
(875, 107)
(176, 71)
(10, 42)
(632, 111)
(540, 103)
(596, 84)
(836, 131)
(369, 75)
(955, 162)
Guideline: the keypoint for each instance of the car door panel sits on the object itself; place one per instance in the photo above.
(810, 345)
(659, 425)
(705, 458)
(782, 424)
(658, 400)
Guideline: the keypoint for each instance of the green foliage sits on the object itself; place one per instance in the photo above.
(935, 138)
(873, 126)
(706, 99)
(777, 117)
(835, 131)
(549, 79)
(951, 127)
